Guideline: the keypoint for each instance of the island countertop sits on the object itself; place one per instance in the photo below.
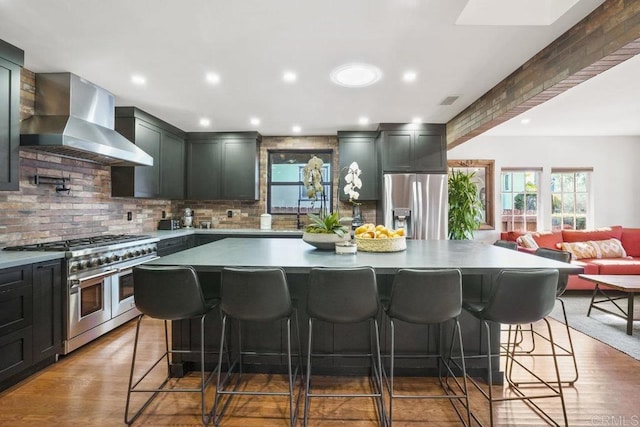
(296, 256)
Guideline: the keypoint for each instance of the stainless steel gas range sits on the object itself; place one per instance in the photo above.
(99, 280)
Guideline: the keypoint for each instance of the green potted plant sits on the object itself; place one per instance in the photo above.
(465, 208)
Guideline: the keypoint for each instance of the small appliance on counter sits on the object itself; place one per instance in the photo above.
(187, 218)
(168, 224)
(265, 221)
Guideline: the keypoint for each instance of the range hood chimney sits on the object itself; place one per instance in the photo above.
(75, 118)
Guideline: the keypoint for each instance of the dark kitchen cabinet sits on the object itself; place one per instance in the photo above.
(30, 319)
(163, 142)
(174, 244)
(47, 310)
(412, 148)
(223, 166)
(359, 147)
(11, 60)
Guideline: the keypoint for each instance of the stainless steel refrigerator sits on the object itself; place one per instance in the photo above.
(416, 202)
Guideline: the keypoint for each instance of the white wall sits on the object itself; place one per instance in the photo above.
(615, 182)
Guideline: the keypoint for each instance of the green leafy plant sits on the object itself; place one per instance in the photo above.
(465, 207)
(329, 223)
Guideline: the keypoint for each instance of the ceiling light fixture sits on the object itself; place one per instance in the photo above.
(363, 121)
(205, 122)
(213, 78)
(289, 76)
(255, 121)
(525, 121)
(355, 75)
(416, 120)
(138, 79)
(409, 76)
(296, 129)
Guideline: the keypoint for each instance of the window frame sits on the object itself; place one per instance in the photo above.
(301, 187)
(489, 184)
(588, 216)
(539, 194)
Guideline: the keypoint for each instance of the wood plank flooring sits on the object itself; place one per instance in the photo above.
(88, 388)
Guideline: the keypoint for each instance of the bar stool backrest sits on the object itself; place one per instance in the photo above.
(168, 292)
(562, 256)
(426, 296)
(521, 296)
(342, 295)
(506, 244)
(255, 294)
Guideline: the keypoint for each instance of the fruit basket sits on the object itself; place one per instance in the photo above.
(378, 238)
(392, 244)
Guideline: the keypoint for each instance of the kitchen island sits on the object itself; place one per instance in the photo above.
(479, 263)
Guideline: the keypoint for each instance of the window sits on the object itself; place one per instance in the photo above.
(286, 193)
(483, 177)
(519, 199)
(570, 199)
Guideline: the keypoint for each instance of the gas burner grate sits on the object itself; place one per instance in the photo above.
(80, 243)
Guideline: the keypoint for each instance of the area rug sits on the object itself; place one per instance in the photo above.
(604, 327)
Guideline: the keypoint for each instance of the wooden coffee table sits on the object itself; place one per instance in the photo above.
(628, 284)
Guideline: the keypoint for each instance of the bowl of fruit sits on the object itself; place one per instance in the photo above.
(378, 238)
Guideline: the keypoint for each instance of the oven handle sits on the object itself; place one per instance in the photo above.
(129, 267)
(76, 282)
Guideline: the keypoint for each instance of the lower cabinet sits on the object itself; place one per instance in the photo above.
(30, 319)
(174, 244)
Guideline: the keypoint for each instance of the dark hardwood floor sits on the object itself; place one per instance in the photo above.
(88, 388)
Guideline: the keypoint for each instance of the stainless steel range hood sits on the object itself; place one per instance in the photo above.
(75, 118)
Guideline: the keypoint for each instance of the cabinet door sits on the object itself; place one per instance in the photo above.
(147, 178)
(430, 154)
(239, 170)
(359, 149)
(9, 124)
(397, 151)
(172, 167)
(203, 170)
(47, 310)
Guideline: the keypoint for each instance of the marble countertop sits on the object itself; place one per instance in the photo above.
(10, 259)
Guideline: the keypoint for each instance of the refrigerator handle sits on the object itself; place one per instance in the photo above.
(417, 210)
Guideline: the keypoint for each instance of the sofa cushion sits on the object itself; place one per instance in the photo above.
(611, 248)
(527, 241)
(548, 239)
(631, 241)
(511, 236)
(580, 250)
(617, 266)
(614, 232)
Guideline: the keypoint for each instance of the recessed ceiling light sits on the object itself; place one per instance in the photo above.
(296, 129)
(525, 121)
(205, 122)
(416, 120)
(363, 120)
(289, 76)
(409, 76)
(255, 121)
(355, 75)
(213, 78)
(138, 79)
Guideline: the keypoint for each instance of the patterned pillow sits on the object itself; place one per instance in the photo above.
(611, 248)
(527, 241)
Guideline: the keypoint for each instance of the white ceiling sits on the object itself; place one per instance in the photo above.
(250, 43)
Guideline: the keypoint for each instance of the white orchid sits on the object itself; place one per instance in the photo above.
(353, 182)
(313, 178)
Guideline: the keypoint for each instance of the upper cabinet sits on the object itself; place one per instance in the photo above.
(223, 166)
(359, 147)
(413, 148)
(11, 60)
(162, 141)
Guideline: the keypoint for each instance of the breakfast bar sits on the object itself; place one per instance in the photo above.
(478, 262)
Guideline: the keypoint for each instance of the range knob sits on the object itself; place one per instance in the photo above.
(114, 258)
(103, 260)
(137, 253)
(73, 267)
(82, 264)
(92, 262)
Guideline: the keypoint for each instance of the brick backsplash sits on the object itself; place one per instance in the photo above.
(36, 213)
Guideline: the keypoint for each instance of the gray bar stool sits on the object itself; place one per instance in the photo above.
(343, 296)
(506, 244)
(256, 295)
(169, 293)
(428, 297)
(519, 297)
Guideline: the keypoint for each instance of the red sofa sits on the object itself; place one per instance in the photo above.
(628, 237)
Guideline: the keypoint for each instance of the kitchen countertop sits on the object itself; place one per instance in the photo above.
(10, 259)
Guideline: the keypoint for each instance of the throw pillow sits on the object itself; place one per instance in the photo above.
(604, 233)
(527, 241)
(548, 239)
(579, 250)
(611, 248)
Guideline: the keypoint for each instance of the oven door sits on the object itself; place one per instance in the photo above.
(122, 292)
(89, 303)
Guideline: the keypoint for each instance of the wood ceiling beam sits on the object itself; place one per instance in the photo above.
(603, 39)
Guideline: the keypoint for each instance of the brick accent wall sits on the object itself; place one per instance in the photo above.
(36, 213)
(605, 38)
